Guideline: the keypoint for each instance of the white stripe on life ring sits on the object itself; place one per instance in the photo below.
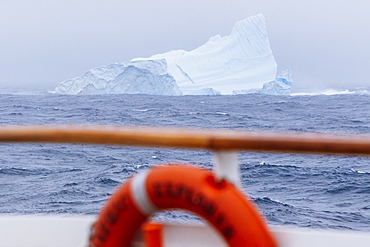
(140, 194)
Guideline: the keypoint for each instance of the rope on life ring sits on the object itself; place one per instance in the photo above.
(182, 187)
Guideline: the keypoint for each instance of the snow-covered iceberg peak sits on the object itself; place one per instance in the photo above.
(241, 60)
(237, 62)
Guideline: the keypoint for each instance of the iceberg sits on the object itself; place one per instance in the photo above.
(136, 77)
(241, 62)
(280, 86)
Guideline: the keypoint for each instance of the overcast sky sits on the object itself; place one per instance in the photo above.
(43, 42)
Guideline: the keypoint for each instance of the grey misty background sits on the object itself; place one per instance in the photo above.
(45, 42)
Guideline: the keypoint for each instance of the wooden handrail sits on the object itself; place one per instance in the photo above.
(215, 139)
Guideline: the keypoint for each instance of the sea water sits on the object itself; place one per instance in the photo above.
(304, 190)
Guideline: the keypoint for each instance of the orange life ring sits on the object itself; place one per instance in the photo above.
(182, 187)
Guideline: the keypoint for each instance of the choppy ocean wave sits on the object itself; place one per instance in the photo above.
(317, 191)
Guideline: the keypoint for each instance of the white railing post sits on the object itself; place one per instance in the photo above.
(226, 166)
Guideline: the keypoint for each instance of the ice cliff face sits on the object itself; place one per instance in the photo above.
(241, 62)
(136, 77)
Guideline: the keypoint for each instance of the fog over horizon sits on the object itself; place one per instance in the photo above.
(45, 42)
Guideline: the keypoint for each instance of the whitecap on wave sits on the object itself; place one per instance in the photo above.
(141, 110)
(331, 91)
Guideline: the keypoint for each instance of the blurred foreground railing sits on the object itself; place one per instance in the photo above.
(213, 139)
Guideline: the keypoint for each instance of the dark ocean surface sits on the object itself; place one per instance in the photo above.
(316, 191)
